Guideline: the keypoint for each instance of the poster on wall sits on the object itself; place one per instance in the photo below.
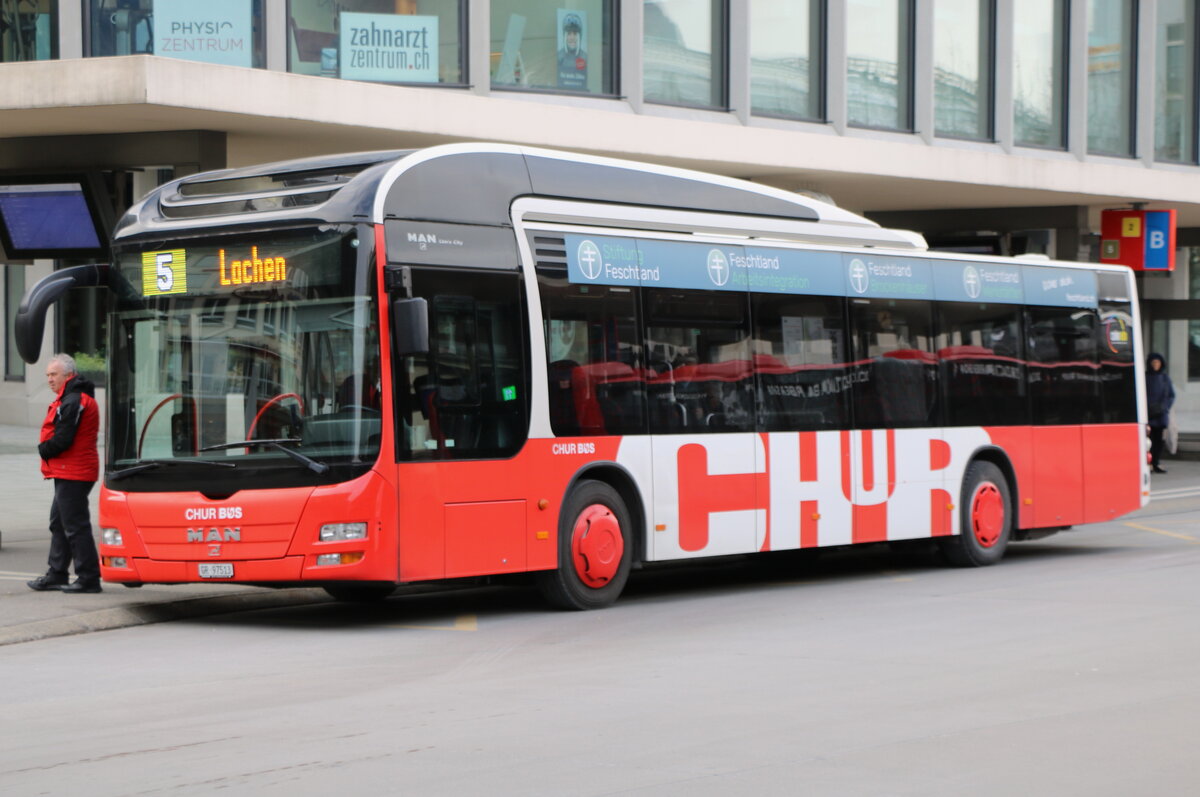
(572, 53)
(215, 31)
(388, 48)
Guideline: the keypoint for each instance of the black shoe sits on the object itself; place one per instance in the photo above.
(47, 582)
(78, 586)
(1157, 469)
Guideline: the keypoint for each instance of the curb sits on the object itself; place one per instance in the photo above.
(147, 613)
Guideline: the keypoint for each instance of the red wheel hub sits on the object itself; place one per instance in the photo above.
(987, 514)
(597, 546)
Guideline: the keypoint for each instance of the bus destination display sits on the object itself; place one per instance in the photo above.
(166, 272)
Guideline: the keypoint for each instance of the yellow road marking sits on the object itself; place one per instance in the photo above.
(894, 575)
(464, 622)
(1164, 532)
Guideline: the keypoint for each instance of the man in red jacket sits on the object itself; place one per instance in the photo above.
(69, 457)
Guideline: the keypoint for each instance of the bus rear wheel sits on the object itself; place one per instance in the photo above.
(594, 553)
(987, 521)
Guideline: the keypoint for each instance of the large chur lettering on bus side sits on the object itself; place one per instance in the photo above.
(710, 495)
(743, 493)
(704, 491)
(869, 480)
(804, 469)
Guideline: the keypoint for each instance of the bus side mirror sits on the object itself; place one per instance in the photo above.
(30, 322)
(410, 327)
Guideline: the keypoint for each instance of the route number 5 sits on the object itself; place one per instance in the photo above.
(166, 275)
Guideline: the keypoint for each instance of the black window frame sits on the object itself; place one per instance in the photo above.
(992, 408)
(412, 399)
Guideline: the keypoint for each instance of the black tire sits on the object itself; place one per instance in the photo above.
(986, 516)
(368, 592)
(591, 570)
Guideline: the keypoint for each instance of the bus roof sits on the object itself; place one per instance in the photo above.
(465, 184)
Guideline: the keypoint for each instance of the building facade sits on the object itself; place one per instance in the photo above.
(992, 125)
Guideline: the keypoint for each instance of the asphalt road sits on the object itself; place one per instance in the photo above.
(1069, 669)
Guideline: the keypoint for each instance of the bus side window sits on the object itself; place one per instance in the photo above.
(981, 364)
(468, 397)
(895, 382)
(1114, 342)
(800, 363)
(596, 381)
(703, 376)
(1063, 370)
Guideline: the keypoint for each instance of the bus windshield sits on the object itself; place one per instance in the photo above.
(255, 355)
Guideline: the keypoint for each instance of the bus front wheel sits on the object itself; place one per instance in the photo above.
(987, 521)
(594, 552)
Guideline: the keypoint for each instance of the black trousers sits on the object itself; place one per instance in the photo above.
(71, 532)
(1157, 444)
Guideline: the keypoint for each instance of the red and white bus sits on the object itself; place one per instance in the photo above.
(472, 360)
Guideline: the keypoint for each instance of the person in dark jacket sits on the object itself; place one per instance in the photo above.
(69, 457)
(1160, 395)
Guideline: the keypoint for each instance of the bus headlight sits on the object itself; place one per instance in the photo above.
(331, 532)
(112, 536)
(349, 558)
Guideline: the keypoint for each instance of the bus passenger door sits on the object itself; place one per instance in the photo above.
(462, 419)
(1064, 393)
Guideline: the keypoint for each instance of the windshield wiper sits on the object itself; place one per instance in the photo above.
(276, 443)
(150, 464)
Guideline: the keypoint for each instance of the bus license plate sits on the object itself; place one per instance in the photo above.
(216, 571)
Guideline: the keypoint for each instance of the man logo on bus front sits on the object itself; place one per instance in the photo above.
(971, 282)
(590, 260)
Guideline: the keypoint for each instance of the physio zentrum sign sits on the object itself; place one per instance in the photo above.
(215, 31)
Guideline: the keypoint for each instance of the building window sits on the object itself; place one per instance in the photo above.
(1175, 81)
(378, 41)
(230, 31)
(566, 46)
(962, 68)
(684, 52)
(14, 289)
(29, 30)
(786, 55)
(879, 68)
(1111, 34)
(1039, 72)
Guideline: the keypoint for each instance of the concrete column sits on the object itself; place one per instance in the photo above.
(275, 29)
(836, 55)
(1003, 49)
(479, 44)
(632, 30)
(70, 30)
(922, 87)
(1077, 63)
(1144, 94)
(739, 59)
